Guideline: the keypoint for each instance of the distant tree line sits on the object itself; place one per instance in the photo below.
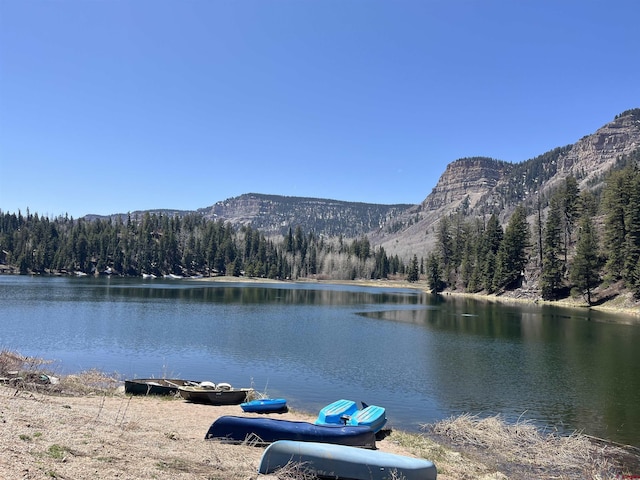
(161, 245)
(584, 240)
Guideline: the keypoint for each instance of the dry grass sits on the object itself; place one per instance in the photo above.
(33, 374)
(450, 463)
(295, 471)
(522, 447)
(12, 362)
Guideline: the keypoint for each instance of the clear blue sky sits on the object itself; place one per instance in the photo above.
(113, 106)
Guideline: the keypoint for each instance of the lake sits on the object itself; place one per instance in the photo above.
(422, 357)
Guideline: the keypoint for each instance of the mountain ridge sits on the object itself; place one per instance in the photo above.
(475, 186)
(499, 187)
(275, 214)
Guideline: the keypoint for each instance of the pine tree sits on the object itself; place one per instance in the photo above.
(614, 202)
(631, 271)
(478, 253)
(382, 267)
(538, 228)
(289, 244)
(586, 262)
(570, 197)
(512, 257)
(488, 272)
(493, 234)
(414, 270)
(434, 275)
(552, 264)
(491, 241)
(446, 248)
(467, 264)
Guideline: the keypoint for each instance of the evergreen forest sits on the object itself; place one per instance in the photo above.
(573, 243)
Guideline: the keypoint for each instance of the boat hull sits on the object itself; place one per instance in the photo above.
(267, 430)
(340, 461)
(265, 405)
(155, 386)
(212, 396)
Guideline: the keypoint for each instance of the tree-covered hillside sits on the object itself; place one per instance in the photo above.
(179, 245)
(585, 240)
(274, 214)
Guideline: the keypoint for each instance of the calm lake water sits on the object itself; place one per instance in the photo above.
(422, 357)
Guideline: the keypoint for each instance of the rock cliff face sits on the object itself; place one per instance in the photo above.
(488, 183)
(466, 180)
(478, 187)
(275, 214)
(594, 155)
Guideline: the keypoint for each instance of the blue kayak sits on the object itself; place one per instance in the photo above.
(265, 405)
(339, 461)
(260, 430)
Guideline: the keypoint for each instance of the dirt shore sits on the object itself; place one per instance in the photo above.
(100, 435)
(124, 437)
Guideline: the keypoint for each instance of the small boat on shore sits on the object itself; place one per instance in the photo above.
(336, 413)
(372, 416)
(221, 394)
(261, 431)
(155, 386)
(326, 460)
(265, 405)
(345, 412)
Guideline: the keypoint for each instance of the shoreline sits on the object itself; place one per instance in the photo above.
(108, 434)
(633, 312)
(623, 305)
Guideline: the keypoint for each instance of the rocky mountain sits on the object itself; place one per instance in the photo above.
(467, 178)
(476, 186)
(275, 214)
(481, 186)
